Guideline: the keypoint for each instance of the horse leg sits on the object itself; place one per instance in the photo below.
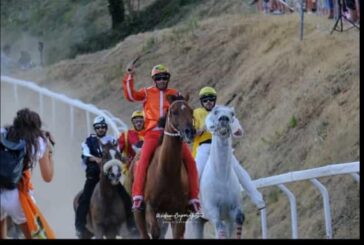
(238, 216)
(99, 233)
(163, 226)
(180, 229)
(178, 226)
(213, 214)
(176, 230)
(139, 217)
(220, 229)
(197, 226)
(152, 221)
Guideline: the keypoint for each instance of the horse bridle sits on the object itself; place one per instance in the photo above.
(178, 133)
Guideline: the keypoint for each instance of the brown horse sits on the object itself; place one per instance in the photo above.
(107, 216)
(128, 183)
(166, 186)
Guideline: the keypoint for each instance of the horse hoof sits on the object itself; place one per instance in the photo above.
(85, 234)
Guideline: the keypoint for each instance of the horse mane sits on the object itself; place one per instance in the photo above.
(111, 163)
(173, 97)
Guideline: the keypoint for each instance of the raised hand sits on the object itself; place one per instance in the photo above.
(131, 68)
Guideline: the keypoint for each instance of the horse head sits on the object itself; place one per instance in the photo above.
(179, 119)
(111, 159)
(219, 120)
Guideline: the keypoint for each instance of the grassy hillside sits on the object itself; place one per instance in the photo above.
(298, 101)
(69, 27)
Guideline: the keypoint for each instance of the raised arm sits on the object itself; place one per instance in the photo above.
(46, 162)
(129, 91)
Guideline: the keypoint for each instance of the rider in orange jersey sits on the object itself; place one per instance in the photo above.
(155, 106)
(132, 140)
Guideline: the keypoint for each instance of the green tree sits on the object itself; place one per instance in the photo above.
(117, 12)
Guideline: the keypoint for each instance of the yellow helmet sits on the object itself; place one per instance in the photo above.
(159, 69)
(137, 114)
(207, 91)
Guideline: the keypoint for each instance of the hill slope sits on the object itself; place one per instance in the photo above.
(298, 101)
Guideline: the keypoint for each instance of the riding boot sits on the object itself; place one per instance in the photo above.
(92, 175)
(84, 204)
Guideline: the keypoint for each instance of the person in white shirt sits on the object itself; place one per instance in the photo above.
(27, 127)
(91, 158)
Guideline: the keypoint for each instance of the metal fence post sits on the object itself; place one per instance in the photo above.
(302, 18)
(327, 211)
(292, 202)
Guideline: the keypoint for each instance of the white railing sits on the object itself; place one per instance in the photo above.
(115, 124)
(311, 175)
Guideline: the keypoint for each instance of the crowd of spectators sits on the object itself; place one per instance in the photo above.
(350, 9)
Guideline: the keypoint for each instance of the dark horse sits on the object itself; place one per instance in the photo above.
(107, 213)
(166, 186)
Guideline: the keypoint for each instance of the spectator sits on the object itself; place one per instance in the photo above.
(352, 11)
(329, 4)
(19, 203)
(40, 48)
(266, 6)
(357, 4)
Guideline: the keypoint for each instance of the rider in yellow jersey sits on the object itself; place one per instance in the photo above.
(202, 144)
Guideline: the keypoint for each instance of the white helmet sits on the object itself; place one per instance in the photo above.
(99, 120)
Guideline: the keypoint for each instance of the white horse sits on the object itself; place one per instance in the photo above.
(220, 191)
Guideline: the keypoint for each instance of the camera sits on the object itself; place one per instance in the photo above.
(49, 137)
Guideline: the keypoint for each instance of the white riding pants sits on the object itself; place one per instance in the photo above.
(202, 155)
(10, 206)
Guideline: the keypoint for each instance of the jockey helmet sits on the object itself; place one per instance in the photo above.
(207, 92)
(137, 118)
(99, 120)
(137, 114)
(160, 69)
